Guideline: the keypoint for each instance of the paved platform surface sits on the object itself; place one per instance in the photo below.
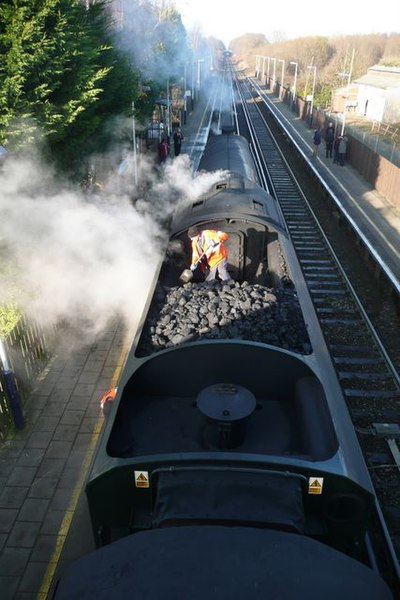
(43, 466)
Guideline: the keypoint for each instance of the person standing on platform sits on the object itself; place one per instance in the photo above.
(178, 139)
(342, 150)
(329, 139)
(316, 142)
(335, 149)
(163, 150)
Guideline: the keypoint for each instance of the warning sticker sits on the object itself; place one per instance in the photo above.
(142, 479)
(315, 485)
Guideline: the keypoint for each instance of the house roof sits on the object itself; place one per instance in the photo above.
(381, 77)
(347, 91)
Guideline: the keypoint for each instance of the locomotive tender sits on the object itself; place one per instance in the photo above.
(228, 466)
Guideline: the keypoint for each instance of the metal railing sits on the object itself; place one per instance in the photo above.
(381, 138)
(378, 137)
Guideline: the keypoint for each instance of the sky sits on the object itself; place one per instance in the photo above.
(291, 18)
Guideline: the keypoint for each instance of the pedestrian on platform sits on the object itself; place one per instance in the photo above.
(329, 139)
(342, 150)
(178, 139)
(335, 149)
(163, 150)
(316, 142)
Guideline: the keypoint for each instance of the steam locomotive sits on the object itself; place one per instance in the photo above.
(229, 466)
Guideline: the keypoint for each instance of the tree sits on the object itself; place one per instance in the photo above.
(57, 63)
(331, 56)
(50, 70)
(391, 55)
(154, 38)
(247, 44)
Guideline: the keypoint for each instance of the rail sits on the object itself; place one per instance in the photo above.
(364, 370)
(388, 274)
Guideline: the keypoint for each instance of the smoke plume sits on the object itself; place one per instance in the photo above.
(81, 258)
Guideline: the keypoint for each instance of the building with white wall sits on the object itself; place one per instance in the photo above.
(378, 94)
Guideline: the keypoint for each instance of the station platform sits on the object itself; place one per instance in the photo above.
(44, 465)
(44, 522)
(373, 214)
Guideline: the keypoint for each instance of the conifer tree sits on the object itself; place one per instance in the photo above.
(57, 61)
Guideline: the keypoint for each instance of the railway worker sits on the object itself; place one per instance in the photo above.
(178, 139)
(210, 253)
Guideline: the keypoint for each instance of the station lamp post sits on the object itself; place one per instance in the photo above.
(192, 79)
(262, 58)
(199, 61)
(348, 75)
(184, 95)
(169, 110)
(135, 170)
(274, 74)
(263, 69)
(314, 68)
(268, 58)
(282, 76)
(294, 82)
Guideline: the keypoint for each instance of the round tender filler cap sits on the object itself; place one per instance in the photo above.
(226, 402)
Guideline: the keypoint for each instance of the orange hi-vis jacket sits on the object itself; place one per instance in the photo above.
(210, 242)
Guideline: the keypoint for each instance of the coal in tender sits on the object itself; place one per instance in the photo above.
(224, 310)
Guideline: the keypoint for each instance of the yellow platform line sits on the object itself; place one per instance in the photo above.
(70, 511)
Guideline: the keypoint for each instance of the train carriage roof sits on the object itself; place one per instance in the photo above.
(236, 195)
(230, 153)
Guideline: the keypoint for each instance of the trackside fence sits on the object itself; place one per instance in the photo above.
(28, 349)
(376, 157)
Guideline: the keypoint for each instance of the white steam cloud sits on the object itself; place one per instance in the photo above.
(85, 259)
(73, 258)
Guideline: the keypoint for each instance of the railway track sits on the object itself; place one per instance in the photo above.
(367, 375)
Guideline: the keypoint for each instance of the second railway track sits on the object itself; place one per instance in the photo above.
(367, 374)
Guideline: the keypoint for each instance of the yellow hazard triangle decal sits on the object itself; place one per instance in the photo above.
(142, 479)
(315, 485)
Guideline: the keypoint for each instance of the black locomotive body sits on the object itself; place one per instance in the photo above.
(229, 466)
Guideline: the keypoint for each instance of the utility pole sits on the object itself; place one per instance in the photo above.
(314, 68)
(348, 75)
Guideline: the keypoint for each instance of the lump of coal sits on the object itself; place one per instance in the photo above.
(224, 310)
